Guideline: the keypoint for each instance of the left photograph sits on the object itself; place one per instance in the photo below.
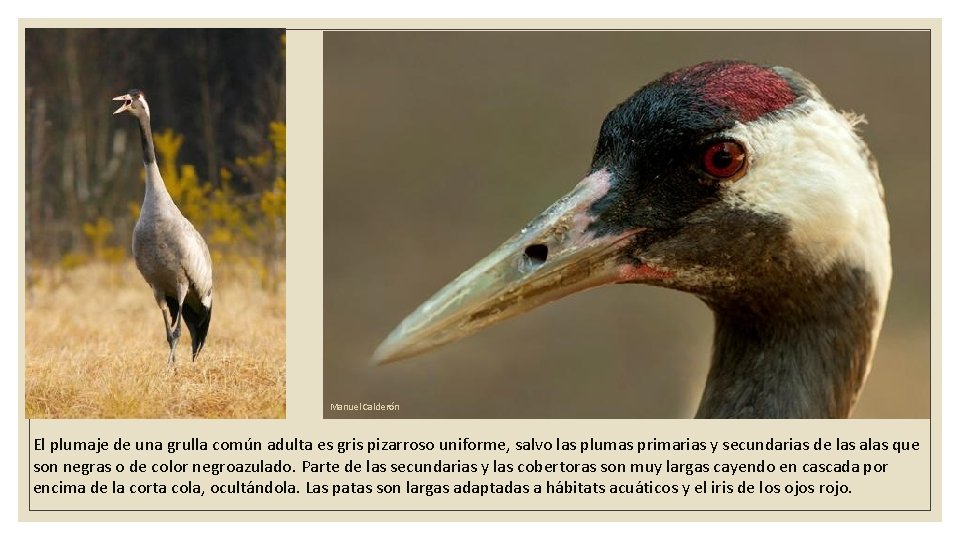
(155, 223)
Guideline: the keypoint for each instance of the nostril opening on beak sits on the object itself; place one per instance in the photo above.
(536, 254)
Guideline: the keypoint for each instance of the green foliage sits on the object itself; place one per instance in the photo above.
(99, 234)
(278, 136)
(182, 183)
(73, 259)
(273, 203)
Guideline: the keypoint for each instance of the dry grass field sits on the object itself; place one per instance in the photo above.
(96, 348)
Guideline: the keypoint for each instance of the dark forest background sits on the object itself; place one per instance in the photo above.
(217, 103)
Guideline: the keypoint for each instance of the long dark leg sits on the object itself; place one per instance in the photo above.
(171, 317)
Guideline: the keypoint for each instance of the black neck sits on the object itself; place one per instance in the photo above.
(146, 139)
(804, 356)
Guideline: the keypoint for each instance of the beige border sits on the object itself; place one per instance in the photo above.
(504, 24)
(303, 397)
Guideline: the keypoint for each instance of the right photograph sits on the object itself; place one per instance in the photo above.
(762, 199)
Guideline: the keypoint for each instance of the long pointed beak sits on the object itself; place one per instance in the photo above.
(555, 255)
(127, 101)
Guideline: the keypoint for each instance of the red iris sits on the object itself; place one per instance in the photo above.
(724, 159)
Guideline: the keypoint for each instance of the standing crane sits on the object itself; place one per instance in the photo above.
(735, 182)
(169, 252)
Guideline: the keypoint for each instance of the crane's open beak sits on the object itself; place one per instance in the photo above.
(127, 100)
(556, 254)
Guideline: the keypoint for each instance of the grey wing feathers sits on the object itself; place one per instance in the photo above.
(198, 305)
(196, 263)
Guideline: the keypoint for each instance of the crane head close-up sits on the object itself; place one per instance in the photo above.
(738, 183)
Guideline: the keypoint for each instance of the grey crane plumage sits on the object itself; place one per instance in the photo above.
(169, 252)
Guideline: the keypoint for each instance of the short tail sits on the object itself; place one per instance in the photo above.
(198, 322)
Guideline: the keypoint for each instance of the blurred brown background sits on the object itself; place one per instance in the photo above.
(440, 145)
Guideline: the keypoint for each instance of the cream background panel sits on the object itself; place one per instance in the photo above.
(906, 488)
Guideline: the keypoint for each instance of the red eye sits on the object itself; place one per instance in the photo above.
(724, 159)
